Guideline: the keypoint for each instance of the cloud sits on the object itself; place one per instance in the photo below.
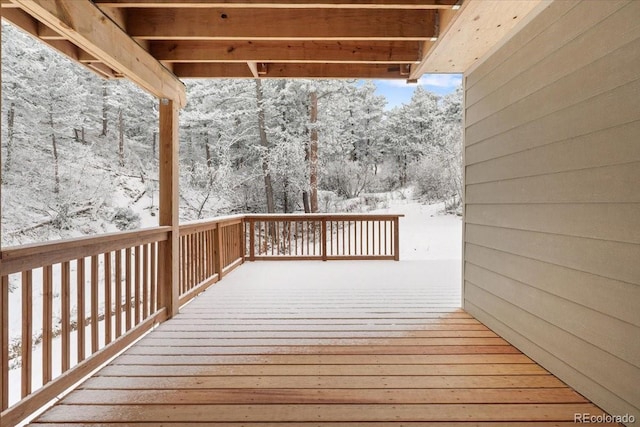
(440, 80)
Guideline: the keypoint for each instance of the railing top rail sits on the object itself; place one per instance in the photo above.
(216, 219)
(320, 216)
(20, 258)
(33, 248)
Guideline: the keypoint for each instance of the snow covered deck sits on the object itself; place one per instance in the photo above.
(323, 343)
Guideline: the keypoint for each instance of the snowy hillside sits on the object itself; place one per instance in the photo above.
(79, 153)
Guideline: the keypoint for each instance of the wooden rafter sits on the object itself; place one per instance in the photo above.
(293, 51)
(28, 24)
(288, 70)
(153, 41)
(280, 24)
(82, 23)
(354, 4)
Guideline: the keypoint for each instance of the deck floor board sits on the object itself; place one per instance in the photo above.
(322, 344)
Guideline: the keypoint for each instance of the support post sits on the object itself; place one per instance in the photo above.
(168, 251)
(243, 241)
(396, 239)
(252, 240)
(219, 259)
(217, 250)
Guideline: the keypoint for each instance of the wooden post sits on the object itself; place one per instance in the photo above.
(252, 240)
(217, 255)
(396, 239)
(219, 259)
(323, 238)
(243, 241)
(168, 251)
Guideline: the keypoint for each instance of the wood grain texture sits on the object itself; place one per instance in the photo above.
(262, 346)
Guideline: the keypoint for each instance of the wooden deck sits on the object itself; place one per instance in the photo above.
(318, 344)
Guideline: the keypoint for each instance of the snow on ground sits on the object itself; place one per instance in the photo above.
(426, 232)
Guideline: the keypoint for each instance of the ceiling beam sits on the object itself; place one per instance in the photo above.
(393, 52)
(328, 71)
(331, 4)
(471, 32)
(280, 24)
(82, 23)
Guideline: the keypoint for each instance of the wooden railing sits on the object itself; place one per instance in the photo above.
(208, 250)
(322, 237)
(82, 301)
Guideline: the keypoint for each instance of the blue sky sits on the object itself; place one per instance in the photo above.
(399, 92)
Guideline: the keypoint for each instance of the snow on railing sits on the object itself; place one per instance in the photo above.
(76, 303)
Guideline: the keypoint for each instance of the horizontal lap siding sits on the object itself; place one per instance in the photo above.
(552, 216)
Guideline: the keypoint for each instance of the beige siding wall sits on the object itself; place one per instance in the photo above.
(552, 215)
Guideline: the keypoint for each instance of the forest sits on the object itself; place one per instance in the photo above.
(79, 153)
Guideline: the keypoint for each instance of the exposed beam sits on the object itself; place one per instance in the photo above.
(354, 4)
(26, 23)
(468, 34)
(280, 24)
(393, 52)
(86, 26)
(338, 71)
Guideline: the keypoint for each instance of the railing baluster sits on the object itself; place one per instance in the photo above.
(136, 282)
(127, 289)
(66, 315)
(118, 293)
(183, 264)
(107, 297)
(94, 304)
(153, 299)
(47, 317)
(27, 334)
(80, 317)
(145, 281)
(192, 260)
(385, 237)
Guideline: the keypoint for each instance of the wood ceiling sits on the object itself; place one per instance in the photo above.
(153, 41)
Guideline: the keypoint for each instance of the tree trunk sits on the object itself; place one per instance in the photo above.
(11, 114)
(285, 195)
(154, 144)
(207, 151)
(313, 153)
(305, 202)
(104, 110)
(120, 137)
(54, 146)
(268, 187)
